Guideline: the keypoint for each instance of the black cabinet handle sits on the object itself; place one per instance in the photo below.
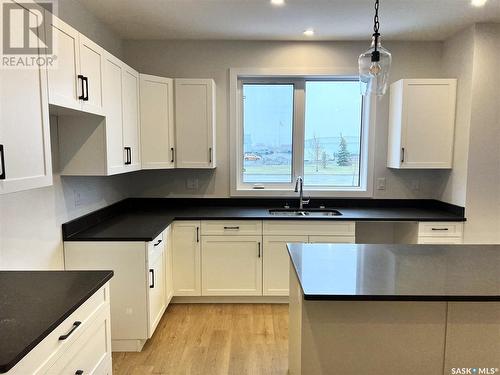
(210, 155)
(173, 153)
(402, 155)
(231, 228)
(75, 326)
(82, 80)
(259, 249)
(152, 272)
(86, 97)
(197, 234)
(440, 229)
(79, 372)
(156, 244)
(2, 163)
(128, 156)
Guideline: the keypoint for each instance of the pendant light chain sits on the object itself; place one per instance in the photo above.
(376, 34)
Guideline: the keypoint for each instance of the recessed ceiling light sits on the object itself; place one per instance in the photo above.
(309, 32)
(478, 3)
(278, 2)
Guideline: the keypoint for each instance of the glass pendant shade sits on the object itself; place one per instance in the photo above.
(374, 67)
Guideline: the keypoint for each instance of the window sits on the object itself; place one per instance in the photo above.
(300, 126)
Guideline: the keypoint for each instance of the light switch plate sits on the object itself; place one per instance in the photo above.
(381, 183)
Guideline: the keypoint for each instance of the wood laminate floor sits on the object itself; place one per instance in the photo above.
(213, 339)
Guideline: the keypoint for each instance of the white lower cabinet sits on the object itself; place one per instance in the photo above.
(186, 258)
(277, 263)
(86, 350)
(231, 265)
(138, 286)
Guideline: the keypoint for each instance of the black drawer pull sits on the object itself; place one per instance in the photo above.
(197, 234)
(75, 326)
(231, 228)
(259, 255)
(440, 229)
(156, 244)
(79, 372)
(2, 163)
(152, 272)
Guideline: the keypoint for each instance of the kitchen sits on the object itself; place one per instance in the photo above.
(169, 147)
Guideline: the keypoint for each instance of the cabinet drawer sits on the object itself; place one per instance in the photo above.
(440, 240)
(155, 248)
(231, 228)
(439, 229)
(43, 356)
(91, 351)
(308, 228)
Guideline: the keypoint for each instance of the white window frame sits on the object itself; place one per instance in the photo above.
(263, 75)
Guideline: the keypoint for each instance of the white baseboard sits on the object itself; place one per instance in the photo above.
(248, 299)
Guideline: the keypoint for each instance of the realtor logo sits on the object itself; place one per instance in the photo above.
(24, 28)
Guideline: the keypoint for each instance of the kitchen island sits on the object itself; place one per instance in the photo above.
(394, 309)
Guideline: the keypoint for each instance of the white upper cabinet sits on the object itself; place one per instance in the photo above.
(195, 123)
(76, 81)
(131, 130)
(25, 160)
(113, 111)
(422, 124)
(157, 122)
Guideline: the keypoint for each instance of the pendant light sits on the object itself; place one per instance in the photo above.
(375, 63)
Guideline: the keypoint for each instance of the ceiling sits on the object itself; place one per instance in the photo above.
(259, 20)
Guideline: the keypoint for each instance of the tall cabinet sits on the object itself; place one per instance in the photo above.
(195, 123)
(422, 124)
(25, 159)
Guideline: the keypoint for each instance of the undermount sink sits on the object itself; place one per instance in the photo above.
(304, 212)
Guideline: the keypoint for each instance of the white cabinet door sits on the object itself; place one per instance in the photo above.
(195, 123)
(113, 110)
(65, 88)
(277, 264)
(231, 266)
(156, 289)
(169, 277)
(91, 66)
(25, 159)
(186, 258)
(422, 124)
(157, 122)
(131, 136)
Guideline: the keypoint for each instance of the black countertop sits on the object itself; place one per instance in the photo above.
(142, 219)
(345, 272)
(34, 303)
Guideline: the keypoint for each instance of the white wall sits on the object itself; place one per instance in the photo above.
(483, 170)
(212, 59)
(30, 221)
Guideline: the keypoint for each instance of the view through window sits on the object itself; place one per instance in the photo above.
(329, 138)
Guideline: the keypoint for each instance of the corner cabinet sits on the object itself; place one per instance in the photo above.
(422, 124)
(157, 122)
(195, 123)
(131, 119)
(25, 157)
(141, 286)
(186, 246)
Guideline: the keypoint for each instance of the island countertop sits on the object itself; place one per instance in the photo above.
(34, 303)
(348, 272)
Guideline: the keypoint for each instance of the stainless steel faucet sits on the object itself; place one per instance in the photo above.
(299, 188)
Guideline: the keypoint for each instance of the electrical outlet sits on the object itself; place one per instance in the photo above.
(381, 183)
(192, 183)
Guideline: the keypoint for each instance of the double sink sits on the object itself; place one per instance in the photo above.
(308, 212)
